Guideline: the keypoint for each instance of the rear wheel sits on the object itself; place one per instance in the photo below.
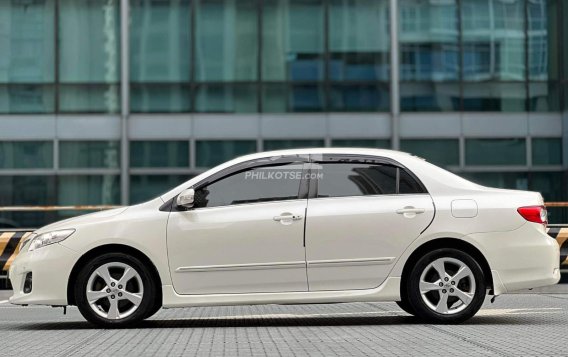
(115, 290)
(446, 286)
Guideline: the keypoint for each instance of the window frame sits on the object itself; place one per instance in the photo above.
(246, 166)
(361, 159)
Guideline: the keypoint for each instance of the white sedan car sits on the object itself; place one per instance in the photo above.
(296, 226)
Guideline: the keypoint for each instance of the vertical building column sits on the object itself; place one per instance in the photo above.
(394, 75)
(125, 100)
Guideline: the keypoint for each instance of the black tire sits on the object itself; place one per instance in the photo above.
(151, 312)
(428, 314)
(406, 307)
(146, 307)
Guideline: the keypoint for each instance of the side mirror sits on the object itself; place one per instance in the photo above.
(185, 199)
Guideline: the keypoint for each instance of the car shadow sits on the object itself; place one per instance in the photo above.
(229, 322)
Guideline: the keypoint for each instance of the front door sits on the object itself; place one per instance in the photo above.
(245, 235)
(360, 221)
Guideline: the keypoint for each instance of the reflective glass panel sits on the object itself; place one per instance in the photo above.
(160, 98)
(26, 99)
(293, 40)
(89, 52)
(89, 98)
(226, 98)
(429, 40)
(160, 41)
(494, 97)
(547, 151)
(89, 154)
(544, 97)
(159, 154)
(429, 96)
(213, 152)
(26, 154)
(360, 98)
(226, 40)
(511, 180)
(443, 152)
(146, 187)
(27, 45)
(359, 42)
(88, 190)
(26, 190)
(495, 152)
(493, 40)
(368, 143)
(543, 31)
(291, 144)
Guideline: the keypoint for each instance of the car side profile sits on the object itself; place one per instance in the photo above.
(296, 226)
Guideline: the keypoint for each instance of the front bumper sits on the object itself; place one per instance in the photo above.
(50, 267)
(521, 259)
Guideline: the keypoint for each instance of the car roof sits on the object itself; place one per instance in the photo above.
(342, 150)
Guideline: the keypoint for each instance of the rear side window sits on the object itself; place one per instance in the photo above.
(354, 179)
(360, 179)
(407, 184)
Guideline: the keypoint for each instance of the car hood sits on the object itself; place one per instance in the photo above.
(79, 220)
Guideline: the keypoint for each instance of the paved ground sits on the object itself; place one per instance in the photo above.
(520, 324)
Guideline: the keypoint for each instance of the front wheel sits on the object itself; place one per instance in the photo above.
(446, 286)
(115, 290)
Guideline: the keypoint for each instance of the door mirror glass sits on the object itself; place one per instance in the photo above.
(185, 199)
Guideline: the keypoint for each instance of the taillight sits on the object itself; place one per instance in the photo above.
(536, 214)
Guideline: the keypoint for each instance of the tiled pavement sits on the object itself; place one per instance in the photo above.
(521, 324)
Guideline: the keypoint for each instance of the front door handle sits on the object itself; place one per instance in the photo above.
(410, 212)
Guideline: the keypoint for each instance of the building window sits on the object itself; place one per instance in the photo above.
(429, 52)
(213, 152)
(160, 52)
(226, 98)
(293, 40)
(495, 152)
(364, 143)
(292, 144)
(444, 152)
(89, 55)
(226, 48)
(88, 190)
(547, 151)
(27, 64)
(146, 187)
(26, 155)
(89, 154)
(159, 154)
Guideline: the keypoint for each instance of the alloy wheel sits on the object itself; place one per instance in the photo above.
(115, 290)
(447, 286)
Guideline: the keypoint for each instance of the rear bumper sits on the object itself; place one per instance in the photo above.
(521, 259)
(50, 267)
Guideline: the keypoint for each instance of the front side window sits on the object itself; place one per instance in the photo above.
(362, 179)
(259, 184)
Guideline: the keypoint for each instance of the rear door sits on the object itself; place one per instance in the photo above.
(361, 217)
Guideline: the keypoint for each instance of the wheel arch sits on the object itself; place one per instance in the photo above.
(454, 243)
(112, 248)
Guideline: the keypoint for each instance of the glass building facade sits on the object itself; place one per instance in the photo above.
(115, 101)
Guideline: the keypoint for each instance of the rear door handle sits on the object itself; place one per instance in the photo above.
(288, 217)
(410, 209)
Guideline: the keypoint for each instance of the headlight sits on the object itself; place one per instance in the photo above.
(49, 238)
